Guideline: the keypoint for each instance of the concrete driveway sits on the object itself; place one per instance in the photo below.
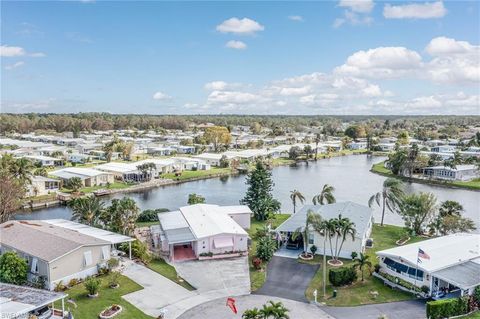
(216, 309)
(287, 278)
(412, 309)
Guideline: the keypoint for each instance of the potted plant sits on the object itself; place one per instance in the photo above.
(113, 281)
(92, 285)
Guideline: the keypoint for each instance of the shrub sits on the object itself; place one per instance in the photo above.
(150, 215)
(476, 294)
(313, 249)
(425, 289)
(113, 263)
(13, 268)
(73, 282)
(342, 276)
(113, 280)
(257, 263)
(103, 271)
(59, 286)
(354, 255)
(39, 282)
(139, 250)
(209, 254)
(92, 285)
(376, 268)
(266, 247)
(447, 308)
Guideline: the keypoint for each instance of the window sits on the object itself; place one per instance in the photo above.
(310, 238)
(106, 252)
(34, 268)
(87, 258)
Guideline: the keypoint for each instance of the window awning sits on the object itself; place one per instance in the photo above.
(464, 276)
(223, 242)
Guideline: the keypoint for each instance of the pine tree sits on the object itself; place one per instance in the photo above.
(259, 193)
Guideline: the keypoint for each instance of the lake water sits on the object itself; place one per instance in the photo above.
(350, 175)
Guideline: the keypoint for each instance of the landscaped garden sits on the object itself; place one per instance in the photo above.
(371, 290)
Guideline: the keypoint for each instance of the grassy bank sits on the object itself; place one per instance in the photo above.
(472, 185)
(86, 190)
(257, 277)
(168, 271)
(88, 308)
(361, 293)
(187, 175)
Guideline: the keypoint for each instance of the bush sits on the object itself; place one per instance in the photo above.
(150, 215)
(353, 255)
(39, 282)
(447, 308)
(342, 276)
(112, 263)
(139, 250)
(257, 263)
(92, 285)
(476, 294)
(73, 282)
(425, 289)
(209, 254)
(377, 268)
(266, 247)
(313, 249)
(113, 280)
(59, 286)
(13, 268)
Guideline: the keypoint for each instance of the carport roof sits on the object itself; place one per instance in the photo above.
(465, 275)
(175, 227)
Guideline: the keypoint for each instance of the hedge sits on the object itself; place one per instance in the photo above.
(447, 308)
(342, 276)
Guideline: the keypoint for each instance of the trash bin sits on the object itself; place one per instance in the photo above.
(335, 293)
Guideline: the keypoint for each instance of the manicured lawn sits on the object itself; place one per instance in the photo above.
(473, 184)
(88, 308)
(168, 271)
(282, 161)
(116, 185)
(475, 315)
(257, 278)
(198, 174)
(379, 168)
(359, 293)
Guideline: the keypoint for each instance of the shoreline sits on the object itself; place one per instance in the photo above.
(445, 184)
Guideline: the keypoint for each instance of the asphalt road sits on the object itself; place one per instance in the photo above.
(412, 309)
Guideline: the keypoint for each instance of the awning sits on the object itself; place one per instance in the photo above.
(223, 242)
(464, 276)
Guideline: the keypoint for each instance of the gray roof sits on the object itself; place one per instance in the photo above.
(464, 275)
(359, 214)
(44, 240)
(175, 227)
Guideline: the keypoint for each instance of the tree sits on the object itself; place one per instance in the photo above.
(22, 169)
(87, 210)
(450, 219)
(195, 199)
(450, 208)
(389, 197)
(326, 195)
(270, 310)
(121, 216)
(294, 152)
(13, 268)
(146, 169)
(318, 139)
(74, 183)
(397, 161)
(217, 135)
(417, 210)
(259, 196)
(42, 171)
(321, 227)
(312, 219)
(345, 228)
(151, 215)
(266, 247)
(224, 162)
(308, 151)
(355, 131)
(12, 191)
(361, 262)
(294, 196)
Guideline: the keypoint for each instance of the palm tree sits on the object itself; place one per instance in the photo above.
(318, 138)
(251, 314)
(87, 210)
(325, 195)
(121, 216)
(345, 228)
(274, 310)
(22, 169)
(294, 196)
(321, 227)
(390, 196)
(362, 262)
(312, 219)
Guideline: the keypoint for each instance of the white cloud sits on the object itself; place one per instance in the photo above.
(161, 96)
(361, 6)
(290, 91)
(11, 51)
(338, 23)
(238, 45)
(15, 65)
(446, 46)
(427, 10)
(424, 102)
(232, 98)
(240, 26)
(296, 18)
(222, 86)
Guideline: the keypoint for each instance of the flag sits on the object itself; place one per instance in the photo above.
(231, 304)
(422, 254)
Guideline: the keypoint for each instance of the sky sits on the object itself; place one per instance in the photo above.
(325, 57)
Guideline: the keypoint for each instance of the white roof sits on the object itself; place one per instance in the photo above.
(207, 220)
(458, 168)
(98, 233)
(156, 161)
(76, 171)
(234, 210)
(43, 158)
(117, 167)
(213, 156)
(444, 251)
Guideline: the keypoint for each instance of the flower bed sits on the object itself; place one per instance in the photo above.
(110, 312)
(402, 241)
(335, 263)
(219, 256)
(305, 256)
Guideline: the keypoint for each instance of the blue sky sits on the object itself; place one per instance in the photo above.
(332, 57)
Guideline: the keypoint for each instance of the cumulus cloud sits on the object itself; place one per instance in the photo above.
(232, 98)
(13, 51)
(356, 13)
(238, 45)
(447, 46)
(427, 10)
(160, 96)
(296, 18)
(15, 65)
(362, 6)
(243, 26)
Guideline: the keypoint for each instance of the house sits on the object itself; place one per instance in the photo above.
(78, 158)
(189, 163)
(444, 149)
(386, 147)
(360, 215)
(357, 145)
(459, 173)
(162, 165)
(46, 160)
(27, 302)
(211, 158)
(90, 177)
(184, 149)
(127, 172)
(40, 186)
(201, 229)
(452, 268)
(59, 250)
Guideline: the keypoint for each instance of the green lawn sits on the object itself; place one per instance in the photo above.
(88, 308)
(379, 168)
(282, 161)
(168, 271)
(359, 293)
(115, 185)
(198, 174)
(257, 277)
(475, 315)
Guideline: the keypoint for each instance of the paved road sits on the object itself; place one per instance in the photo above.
(287, 278)
(412, 309)
(216, 309)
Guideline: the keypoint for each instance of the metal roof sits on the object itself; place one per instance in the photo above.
(465, 276)
(175, 227)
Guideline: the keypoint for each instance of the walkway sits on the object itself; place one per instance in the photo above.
(287, 278)
(288, 253)
(216, 309)
(412, 309)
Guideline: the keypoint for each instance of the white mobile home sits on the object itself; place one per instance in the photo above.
(90, 177)
(459, 173)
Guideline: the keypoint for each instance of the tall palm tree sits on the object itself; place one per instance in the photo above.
(22, 169)
(87, 210)
(312, 219)
(361, 262)
(326, 195)
(294, 196)
(389, 197)
(321, 226)
(318, 138)
(346, 228)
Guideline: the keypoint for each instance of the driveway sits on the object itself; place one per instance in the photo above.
(216, 309)
(412, 309)
(287, 278)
